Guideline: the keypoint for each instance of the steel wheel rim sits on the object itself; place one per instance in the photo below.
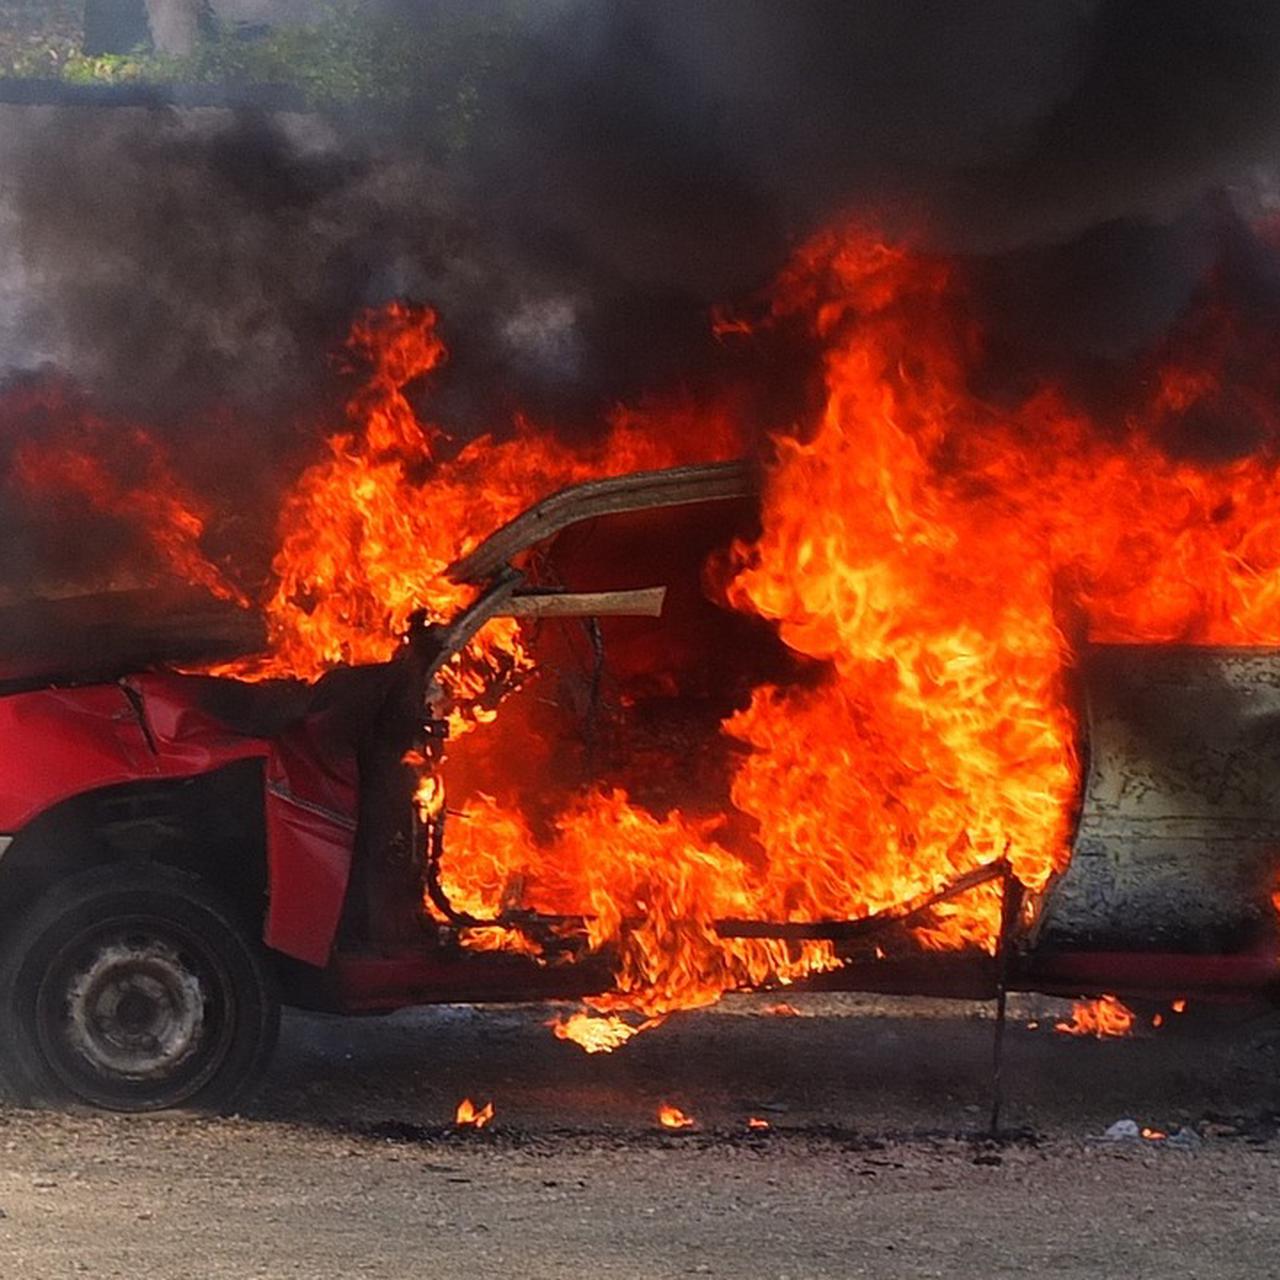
(135, 1012)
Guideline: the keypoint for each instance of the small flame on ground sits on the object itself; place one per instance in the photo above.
(1179, 1005)
(1158, 1020)
(756, 1122)
(781, 1011)
(595, 1033)
(469, 1116)
(670, 1117)
(1154, 1135)
(1101, 1018)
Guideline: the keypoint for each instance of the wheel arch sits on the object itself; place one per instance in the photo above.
(210, 824)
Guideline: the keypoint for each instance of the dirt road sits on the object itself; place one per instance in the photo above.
(874, 1164)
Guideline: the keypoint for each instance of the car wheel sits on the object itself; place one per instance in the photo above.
(134, 988)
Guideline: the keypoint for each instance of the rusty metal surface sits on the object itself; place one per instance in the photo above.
(1179, 828)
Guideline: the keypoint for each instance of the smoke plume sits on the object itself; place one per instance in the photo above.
(628, 165)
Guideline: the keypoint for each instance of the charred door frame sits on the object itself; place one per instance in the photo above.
(505, 593)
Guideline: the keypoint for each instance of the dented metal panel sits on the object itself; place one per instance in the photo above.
(1179, 827)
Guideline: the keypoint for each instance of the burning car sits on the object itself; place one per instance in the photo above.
(182, 853)
(994, 708)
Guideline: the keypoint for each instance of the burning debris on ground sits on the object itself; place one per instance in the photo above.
(671, 1117)
(471, 1116)
(1103, 1017)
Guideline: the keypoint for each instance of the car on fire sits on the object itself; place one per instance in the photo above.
(182, 854)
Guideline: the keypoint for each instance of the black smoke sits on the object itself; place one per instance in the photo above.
(630, 163)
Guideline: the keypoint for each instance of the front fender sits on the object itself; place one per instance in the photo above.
(57, 744)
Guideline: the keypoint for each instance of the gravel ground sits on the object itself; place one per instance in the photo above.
(875, 1164)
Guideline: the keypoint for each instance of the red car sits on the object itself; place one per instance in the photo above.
(180, 854)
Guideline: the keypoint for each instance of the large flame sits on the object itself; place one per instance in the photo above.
(924, 548)
(367, 533)
(927, 557)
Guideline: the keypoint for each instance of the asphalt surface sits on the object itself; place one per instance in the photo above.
(876, 1161)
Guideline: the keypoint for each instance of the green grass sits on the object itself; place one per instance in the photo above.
(39, 37)
(342, 57)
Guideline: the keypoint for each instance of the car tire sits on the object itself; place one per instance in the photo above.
(134, 987)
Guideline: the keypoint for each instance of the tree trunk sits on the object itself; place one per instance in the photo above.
(120, 26)
(175, 25)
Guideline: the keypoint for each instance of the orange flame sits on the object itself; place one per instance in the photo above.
(171, 519)
(595, 1034)
(469, 1116)
(756, 1122)
(671, 1117)
(429, 796)
(1103, 1017)
(368, 532)
(921, 552)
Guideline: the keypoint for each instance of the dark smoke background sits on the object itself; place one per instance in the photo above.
(632, 162)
